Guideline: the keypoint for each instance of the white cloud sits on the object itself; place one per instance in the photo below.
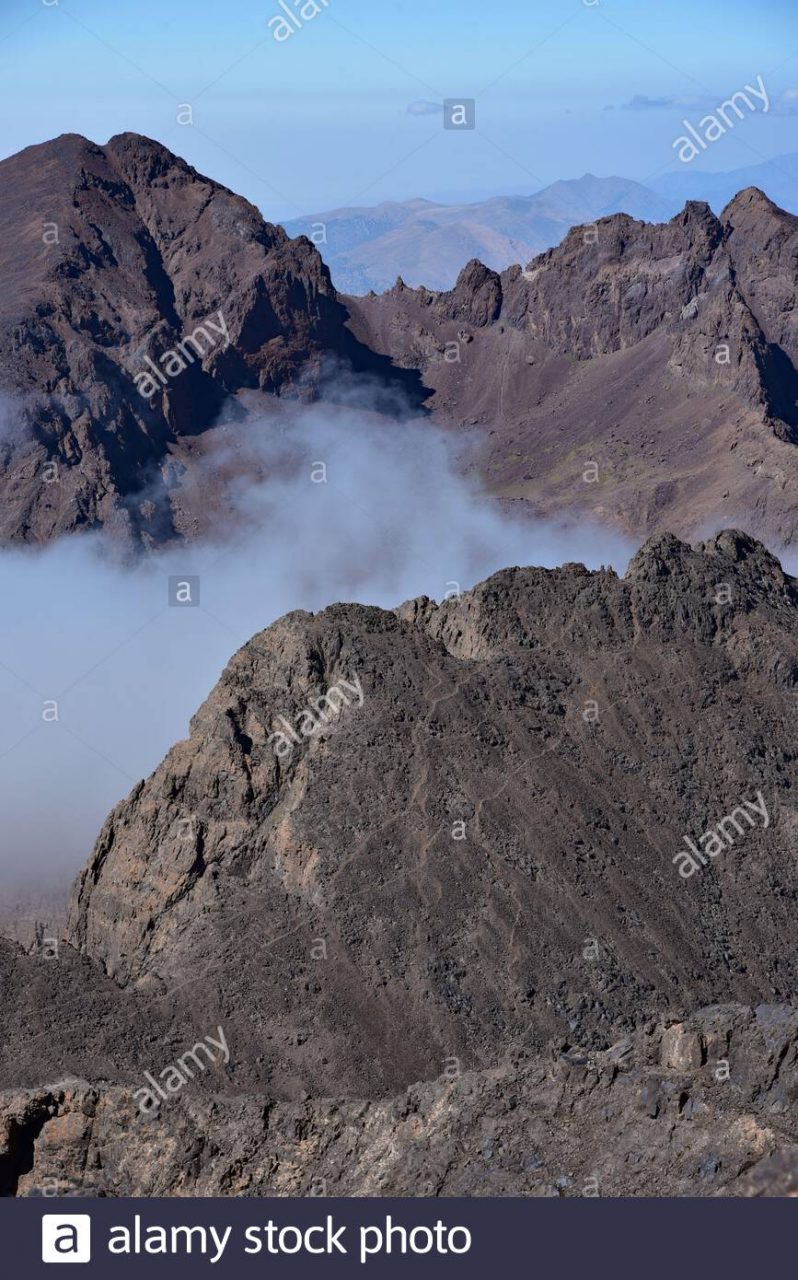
(394, 520)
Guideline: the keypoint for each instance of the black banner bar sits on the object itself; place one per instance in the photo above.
(583, 1239)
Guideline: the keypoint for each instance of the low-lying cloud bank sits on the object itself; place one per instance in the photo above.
(99, 673)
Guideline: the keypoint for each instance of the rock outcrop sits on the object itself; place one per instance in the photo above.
(645, 373)
(495, 896)
(485, 852)
(704, 1107)
(121, 264)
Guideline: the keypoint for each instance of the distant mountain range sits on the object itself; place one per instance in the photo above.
(426, 242)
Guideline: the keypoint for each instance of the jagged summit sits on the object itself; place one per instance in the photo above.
(761, 582)
(451, 833)
(663, 354)
(110, 258)
(330, 774)
(699, 217)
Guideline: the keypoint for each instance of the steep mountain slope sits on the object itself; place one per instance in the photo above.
(472, 872)
(428, 243)
(420, 876)
(644, 374)
(135, 295)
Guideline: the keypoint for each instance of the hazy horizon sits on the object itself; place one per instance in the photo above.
(347, 110)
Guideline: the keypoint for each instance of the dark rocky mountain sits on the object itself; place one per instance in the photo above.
(427, 243)
(643, 374)
(459, 894)
(111, 258)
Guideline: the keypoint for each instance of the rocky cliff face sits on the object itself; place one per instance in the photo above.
(427, 875)
(704, 1107)
(111, 258)
(645, 373)
(487, 867)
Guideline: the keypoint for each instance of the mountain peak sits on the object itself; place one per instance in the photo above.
(141, 159)
(139, 144)
(729, 553)
(750, 200)
(129, 138)
(109, 257)
(696, 209)
(732, 544)
(65, 148)
(660, 556)
(698, 216)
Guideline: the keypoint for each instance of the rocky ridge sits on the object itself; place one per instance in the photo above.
(645, 373)
(417, 877)
(703, 1107)
(642, 373)
(446, 934)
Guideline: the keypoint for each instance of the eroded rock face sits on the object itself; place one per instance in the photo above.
(445, 938)
(609, 286)
(645, 373)
(113, 256)
(623, 1120)
(483, 853)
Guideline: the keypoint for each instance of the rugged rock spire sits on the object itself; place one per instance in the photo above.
(135, 295)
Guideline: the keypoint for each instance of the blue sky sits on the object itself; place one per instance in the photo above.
(322, 119)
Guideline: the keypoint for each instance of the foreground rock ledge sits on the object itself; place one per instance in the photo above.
(698, 1108)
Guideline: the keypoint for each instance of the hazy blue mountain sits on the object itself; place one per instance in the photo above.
(428, 243)
(778, 178)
